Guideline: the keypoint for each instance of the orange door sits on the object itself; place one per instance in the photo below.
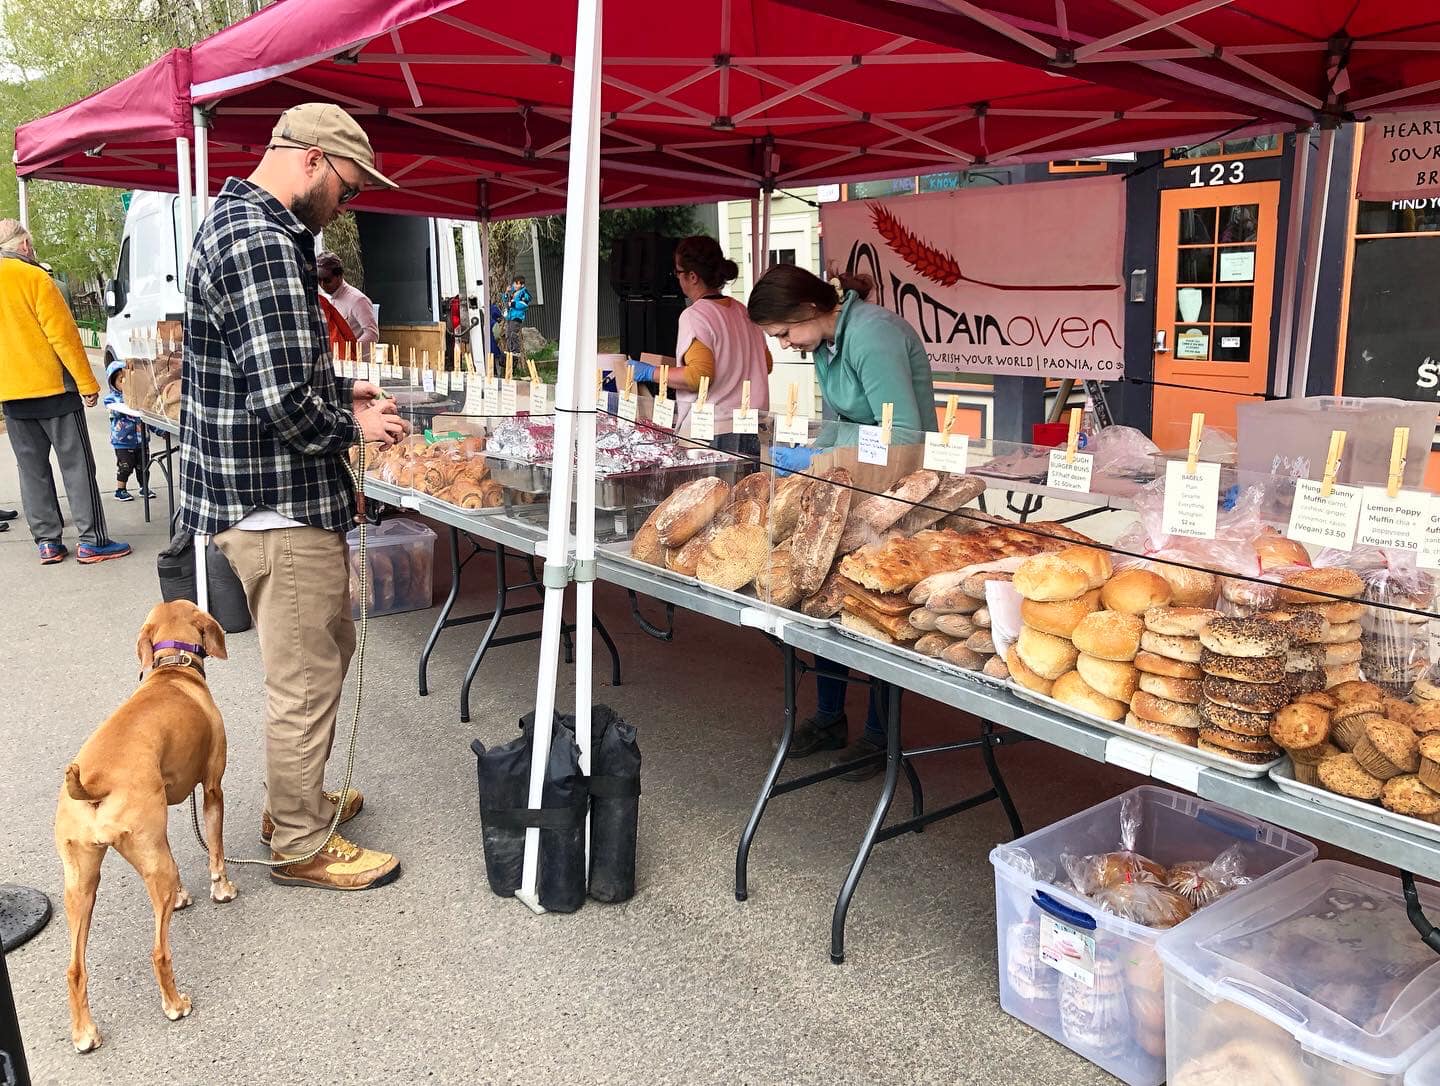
(1212, 303)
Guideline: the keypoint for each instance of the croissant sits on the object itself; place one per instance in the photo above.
(472, 446)
(465, 493)
(492, 494)
(436, 475)
(476, 470)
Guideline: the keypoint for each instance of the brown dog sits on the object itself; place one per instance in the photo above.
(148, 756)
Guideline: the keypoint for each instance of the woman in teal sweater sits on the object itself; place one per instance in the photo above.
(865, 357)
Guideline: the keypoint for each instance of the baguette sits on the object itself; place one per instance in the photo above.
(824, 508)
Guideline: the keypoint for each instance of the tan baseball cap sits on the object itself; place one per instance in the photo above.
(330, 128)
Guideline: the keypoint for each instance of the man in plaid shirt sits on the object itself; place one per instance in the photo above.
(265, 428)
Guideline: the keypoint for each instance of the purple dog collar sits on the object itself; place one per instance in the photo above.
(183, 646)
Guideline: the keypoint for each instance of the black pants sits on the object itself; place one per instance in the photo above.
(127, 462)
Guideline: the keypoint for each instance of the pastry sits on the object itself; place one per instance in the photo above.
(1300, 726)
(1425, 690)
(1245, 669)
(1071, 689)
(1047, 577)
(1245, 637)
(1313, 756)
(1247, 757)
(1135, 591)
(1330, 580)
(1095, 1021)
(1179, 621)
(1185, 649)
(823, 509)
(1186, 691)
(870, 518)
(1347, 722)
(1251, 697)
(1183, 736)
(1155, 664)
(1109, 635)
(1409, 795)
(1322, 699)
(1023, 675)
(1422, 719)
(1058, 617)
(1306, 772)
(1429, 748)
(1111, 678)
(689, 509)
(1046, 655)
(1235, 720)
(1161, 711)
(1386, 749)
(1345, 776)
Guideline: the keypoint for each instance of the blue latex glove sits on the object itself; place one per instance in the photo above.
(643, 371)
(790, 458)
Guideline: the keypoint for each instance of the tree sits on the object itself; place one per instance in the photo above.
(669, 222)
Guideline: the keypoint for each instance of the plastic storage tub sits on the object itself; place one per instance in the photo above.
(1316, 978)
(1112, 1012)
(1426, 1071)
(401, 556)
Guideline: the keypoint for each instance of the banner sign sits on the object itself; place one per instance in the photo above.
(1400, 157)
(1023, 280)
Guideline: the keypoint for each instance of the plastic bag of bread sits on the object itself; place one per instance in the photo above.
(1395, 648)
(1201, 882)
(1144, 902)
(1102, 870)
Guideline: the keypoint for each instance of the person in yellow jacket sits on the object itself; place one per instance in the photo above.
(45, 385)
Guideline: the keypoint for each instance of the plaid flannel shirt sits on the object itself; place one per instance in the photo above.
(261, 421)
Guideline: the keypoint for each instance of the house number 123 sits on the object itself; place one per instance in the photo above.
(1217, 173)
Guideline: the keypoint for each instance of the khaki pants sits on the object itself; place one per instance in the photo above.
(297, 583)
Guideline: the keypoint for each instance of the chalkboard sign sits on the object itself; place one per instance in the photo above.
(1393, 331)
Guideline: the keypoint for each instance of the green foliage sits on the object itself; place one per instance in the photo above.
(669, 222)
(342, 237)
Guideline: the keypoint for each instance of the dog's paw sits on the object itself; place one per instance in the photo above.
(183, 898)
(180, 1010)
(87, 1039)
(222, 889)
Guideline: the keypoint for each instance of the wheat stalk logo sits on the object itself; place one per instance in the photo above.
(939, 266)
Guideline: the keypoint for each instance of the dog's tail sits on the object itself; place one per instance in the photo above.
(76, 789)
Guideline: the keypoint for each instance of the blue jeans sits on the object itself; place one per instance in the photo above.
(830, 700)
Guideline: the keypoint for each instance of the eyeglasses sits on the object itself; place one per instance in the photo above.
(348, 191)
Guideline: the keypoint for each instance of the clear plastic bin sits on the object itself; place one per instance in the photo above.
(1317, 978)
(401, 557)
(1115, 1016)
(1426, 1071)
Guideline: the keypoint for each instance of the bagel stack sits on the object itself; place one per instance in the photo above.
(1245, 685)
(1395, 644)
(1336, 650)
(1168, 676)
(1057, 591)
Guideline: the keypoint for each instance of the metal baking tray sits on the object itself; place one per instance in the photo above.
(1120, 728)
(1284, 777)
(910, 656)
(624, 490)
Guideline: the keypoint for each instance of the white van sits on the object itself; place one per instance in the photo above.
(147, 287)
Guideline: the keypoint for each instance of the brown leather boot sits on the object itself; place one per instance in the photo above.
(340, 865)
(353, 802)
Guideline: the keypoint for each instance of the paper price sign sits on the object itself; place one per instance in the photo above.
(664, 413)
(373, 373)
(452, 380)
(347, 369)
(1074, 475)
(509, 398)
(542, 399)
(745, 422)
(1324, 522)
(1068, 950)
(953, 456)
(1191, 500)
(474, 398)
(492, 395)
(872, 445)
(1397, 523)
(795, 431)
(1430, 547)
(629, 407)
(427, 380)
(702, 423)
(414, 375)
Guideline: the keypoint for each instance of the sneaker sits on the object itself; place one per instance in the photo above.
(123, 495)
(8, 514)
(90, 553)
(340, 865)
(352, 808)
(815, 735)
(146, 492)
(861, 748)
(50, 553)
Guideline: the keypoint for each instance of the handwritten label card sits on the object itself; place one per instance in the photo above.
(872, 445)
(542, 399)
(702, 422)
(745, 422)
(629, 408)
(509, 398)
(794, 431)
(492, 395)
(1396, 523)
(1324, 522)
(1430, 547)
(952, 457)
(474, 398)
(1074, 475)
(427, 380)
(1191, 501)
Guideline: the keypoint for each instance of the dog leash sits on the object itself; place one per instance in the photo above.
(359, 660)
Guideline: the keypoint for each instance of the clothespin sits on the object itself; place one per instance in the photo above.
(745, 398)
(534, 373)
(1332, 462)
(1073, 437)
(509, 366)
(425, 359)
(704, 392)
(629, 381)
(794, 402)
(887, 422)
(412, 358)
(664, 381)
(1397, 460)
(1197, 423)
(951, 402)
(599, 385)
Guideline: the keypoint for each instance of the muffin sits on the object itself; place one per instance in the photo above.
(1299, 726)
(1430, 761)
(1425, 720)
(1387, 749)
(1347, 723)
(1409, 795)
(1344, 776)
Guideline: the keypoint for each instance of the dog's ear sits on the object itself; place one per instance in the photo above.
(145, 647)
(211, 636)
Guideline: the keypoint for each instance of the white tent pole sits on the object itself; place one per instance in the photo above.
(1294, 239)
(202, 162)
(23, 188)
(575, 387)
(472, 251)
(1314, 246)
(185, 195)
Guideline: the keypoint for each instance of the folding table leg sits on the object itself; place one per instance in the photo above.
(444, 610)
(893, 761)
(987, 751)
(142, 469)
(501, 592)
(614, 652)
(787, 732)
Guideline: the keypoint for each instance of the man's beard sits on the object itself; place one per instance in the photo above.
(309, 208)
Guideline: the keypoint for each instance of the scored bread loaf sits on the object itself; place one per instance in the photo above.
(646, 546)
(824, 508)
(824, 602)
(785, 506)
(754, 487)
(775, 582)
(954, 492)
(870, 518)
(689, 509)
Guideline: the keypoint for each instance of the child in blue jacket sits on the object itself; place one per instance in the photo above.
(125, 436)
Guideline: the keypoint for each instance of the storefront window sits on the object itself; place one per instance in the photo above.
(1398, 216)
(873, 190)
(1252, 145)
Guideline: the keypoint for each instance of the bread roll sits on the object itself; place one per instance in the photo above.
(1277, 552)
(1328, 579)
(1046, 655)
(961, 656)
(1046, 577)
(1179, 621)
(690, 508)
(933, 644)
(1111, 678)
(1135, 591)
(980, 641)
(981, 618)
(1185, 649)
(1109, 635)
(1190, 587)
(922, 618)
(1072, 689)
(1022, 674)
(1095, 563)
(1185, 691)
(1059, 617)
